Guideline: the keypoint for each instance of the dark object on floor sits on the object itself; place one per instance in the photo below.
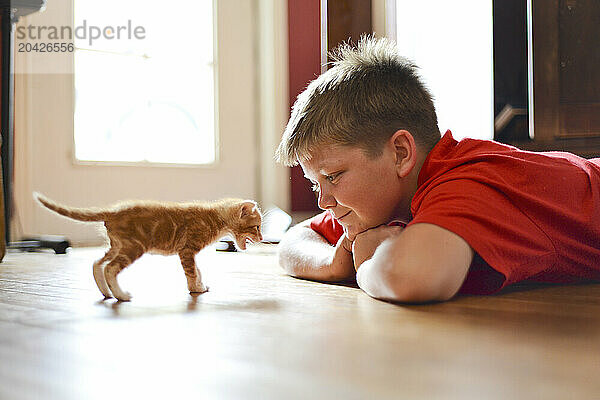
(10, 11)
(225, 245)
(57, 243)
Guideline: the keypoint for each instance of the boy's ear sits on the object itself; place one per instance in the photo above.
(405, 151)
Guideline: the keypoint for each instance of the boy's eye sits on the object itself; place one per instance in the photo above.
(331, 178)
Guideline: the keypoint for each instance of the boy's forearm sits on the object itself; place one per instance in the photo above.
(385, 279)
(305, 254)
(402, 270)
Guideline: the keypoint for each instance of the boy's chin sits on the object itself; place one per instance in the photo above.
(353, 230)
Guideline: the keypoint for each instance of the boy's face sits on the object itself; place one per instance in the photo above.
(361, 192)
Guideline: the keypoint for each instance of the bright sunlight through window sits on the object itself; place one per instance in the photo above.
(145, 98)
(452, 43)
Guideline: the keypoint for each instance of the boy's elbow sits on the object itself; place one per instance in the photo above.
(418, 291)
(409, 284)
(288, 261)
(306, 267)
(422, 287)
(288, 253)
(415, 289)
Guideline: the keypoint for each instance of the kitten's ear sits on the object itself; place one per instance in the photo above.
(247, 208)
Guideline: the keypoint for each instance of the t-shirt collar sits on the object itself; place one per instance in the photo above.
(442, 147)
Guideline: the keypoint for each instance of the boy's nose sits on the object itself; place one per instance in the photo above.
(326, 201)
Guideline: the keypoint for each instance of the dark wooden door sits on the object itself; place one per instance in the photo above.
(566, 75)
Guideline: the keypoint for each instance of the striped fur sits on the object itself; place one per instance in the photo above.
(137, 227)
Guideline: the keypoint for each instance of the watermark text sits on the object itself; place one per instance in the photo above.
(84, 32)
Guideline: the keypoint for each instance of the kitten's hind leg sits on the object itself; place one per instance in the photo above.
(99, 272)
(192, 273)
(122, 260)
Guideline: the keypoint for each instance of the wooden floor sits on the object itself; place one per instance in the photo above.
(258, 334)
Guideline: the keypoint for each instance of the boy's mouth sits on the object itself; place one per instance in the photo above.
(340, 217)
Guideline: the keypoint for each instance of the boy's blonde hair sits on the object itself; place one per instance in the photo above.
(369, 93)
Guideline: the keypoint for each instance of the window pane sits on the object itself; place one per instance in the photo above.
(149, 99)
(452, 43)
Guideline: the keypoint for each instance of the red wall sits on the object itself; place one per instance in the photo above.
(304, 65)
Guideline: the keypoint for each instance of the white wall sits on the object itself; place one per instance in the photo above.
(252, 99)
(273, 107)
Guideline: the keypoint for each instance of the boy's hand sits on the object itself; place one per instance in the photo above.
(345, 243)
(365, 243)
(342, 262)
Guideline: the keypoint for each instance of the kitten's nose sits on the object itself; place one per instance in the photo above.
(259, 237)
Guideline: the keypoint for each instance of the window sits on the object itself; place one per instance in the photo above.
(452, 43)
(144, 82)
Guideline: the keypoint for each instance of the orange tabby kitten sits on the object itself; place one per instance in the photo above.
(134, 228)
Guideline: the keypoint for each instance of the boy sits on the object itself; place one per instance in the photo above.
(417, 217)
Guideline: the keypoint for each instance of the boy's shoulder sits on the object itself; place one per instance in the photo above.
(487, 159)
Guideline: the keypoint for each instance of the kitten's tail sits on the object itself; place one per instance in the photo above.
(80, 214)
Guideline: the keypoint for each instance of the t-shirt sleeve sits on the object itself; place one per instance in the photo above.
(509, 246)
(327, 226)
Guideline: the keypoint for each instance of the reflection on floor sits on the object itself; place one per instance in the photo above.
(258, 333)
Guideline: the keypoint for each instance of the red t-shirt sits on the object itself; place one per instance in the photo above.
(528, 216)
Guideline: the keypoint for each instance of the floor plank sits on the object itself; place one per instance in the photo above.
(258, 333)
